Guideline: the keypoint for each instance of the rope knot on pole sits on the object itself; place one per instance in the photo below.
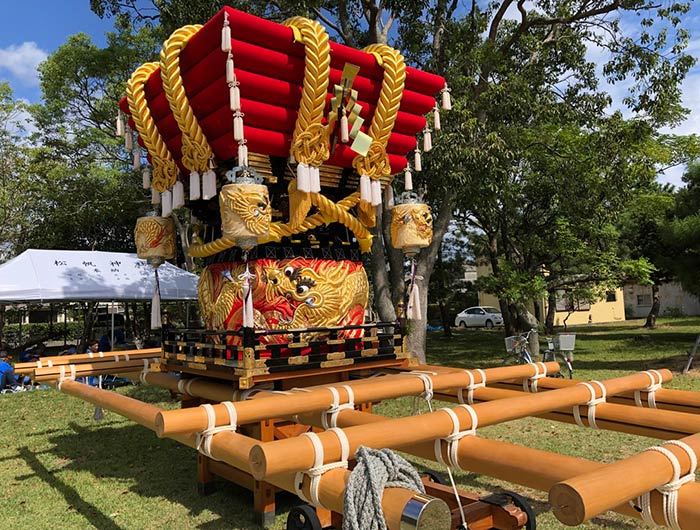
(330, 417)
(203, 441)
(670, 489)
(656, 380)
(319, 468)
(591, 404)
(530, 383)
(455, 436)
(471, 386)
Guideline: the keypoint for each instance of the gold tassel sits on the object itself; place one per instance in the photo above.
(195, 186)
(427, 140)
(234, 97)
(417, 162)
(407, 179)
(436, 118)
(230, 75)
(242, 153)
(446, 99)
(238, 126)
(299, 205)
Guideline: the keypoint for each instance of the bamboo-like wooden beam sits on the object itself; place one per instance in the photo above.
(297, 454)
(233, 448)
(375, 389)
(59, 360)
(584, 496)
(666, 398)
(87, 369)
(653, 423)
(532, 468)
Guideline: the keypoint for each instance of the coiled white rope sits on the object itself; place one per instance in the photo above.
(669, 490)
(319, 468)
(591, 404)
(375, 471)
(656, 380)
(203, 439)
(471, 386)
(530, 383)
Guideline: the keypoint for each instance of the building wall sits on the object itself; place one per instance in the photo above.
(601, 311)
(673, 298)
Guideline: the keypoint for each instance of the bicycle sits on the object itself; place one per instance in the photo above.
(560, 349)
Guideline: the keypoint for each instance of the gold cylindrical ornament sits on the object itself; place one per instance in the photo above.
(155, 239)
(245, 213)
(411, 226)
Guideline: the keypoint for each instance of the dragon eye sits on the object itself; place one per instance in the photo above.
(262, 205)
(302, 289)
(288, 271)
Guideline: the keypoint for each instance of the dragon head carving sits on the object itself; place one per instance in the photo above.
(245, 210)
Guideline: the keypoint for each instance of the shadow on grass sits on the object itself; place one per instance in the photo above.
(160, 468)
(90, 512)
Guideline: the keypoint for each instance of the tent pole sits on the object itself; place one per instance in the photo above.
(111, 341)
(65, 327)
(187, 315)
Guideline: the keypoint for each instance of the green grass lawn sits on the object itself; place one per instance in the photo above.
(59, 468)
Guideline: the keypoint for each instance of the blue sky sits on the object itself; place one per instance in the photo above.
(32, 29)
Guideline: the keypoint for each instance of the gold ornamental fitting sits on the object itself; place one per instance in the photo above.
(246, 213)
(411, 227)
(155, 239)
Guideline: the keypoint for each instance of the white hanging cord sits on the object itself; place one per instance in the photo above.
(669, 491)
(329, 418)
(530, 383)
(452, 441)
(319, 468)
(247, 292)
(471, 386)
(203, 440)
(413, 308)
(591, 404)
(656, 380)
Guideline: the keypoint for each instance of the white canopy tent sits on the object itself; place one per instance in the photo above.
(43, 276)
(38, 276)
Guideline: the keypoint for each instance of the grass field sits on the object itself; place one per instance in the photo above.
(59, 468)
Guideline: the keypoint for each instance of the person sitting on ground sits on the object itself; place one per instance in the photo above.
(8, 380)
(93, 346)
(31, 354)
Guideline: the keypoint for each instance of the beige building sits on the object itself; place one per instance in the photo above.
(610, 309)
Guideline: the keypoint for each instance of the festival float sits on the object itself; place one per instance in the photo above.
(282, 143)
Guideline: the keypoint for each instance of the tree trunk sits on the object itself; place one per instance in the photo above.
(654, 313)
(182, 230)
(382, 284)
(444, 318)
(551, 312)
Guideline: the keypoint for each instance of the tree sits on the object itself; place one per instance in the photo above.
(504, 75)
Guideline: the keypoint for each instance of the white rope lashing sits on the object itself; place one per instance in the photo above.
(655, 384)
(319, 468)
(203, 440)
(329, 418)
(184, 386)
(454, 437)
(530, 383)
(146, 370)
(471, 386)
(591, 404)
(62, 374)
(670, 489)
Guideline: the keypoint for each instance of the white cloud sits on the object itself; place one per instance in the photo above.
(22, 62)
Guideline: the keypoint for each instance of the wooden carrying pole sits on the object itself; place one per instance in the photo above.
(297, 454)
(58, 360)
(88, 369)
(664, 398)
(653, 423)
(233, 449)
(365, 391)
(533, 468)
(581, 497)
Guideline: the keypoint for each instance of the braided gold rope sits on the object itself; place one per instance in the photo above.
(376, 163)
(164, 168)
(195, 149)
(310, 140)
(330, 212)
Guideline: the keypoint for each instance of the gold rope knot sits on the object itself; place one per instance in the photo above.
(375, 164)
(311, 145)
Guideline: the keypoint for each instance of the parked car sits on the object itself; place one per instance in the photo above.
(479, 317)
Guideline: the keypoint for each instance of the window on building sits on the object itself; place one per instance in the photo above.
(644, 300)
(611, 296)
